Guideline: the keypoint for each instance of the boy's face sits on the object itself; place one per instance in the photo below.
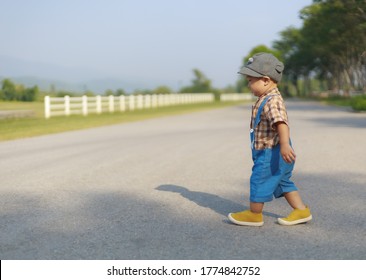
(258, 86)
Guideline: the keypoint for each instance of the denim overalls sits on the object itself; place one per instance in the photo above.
(270, 173)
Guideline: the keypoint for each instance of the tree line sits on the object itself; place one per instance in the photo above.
(10, 91)
(328, 53)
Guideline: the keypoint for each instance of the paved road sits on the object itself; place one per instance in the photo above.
(161, 189)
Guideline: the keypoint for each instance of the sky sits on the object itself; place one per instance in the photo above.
(156, 42)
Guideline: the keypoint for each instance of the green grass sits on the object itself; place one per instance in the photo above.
(37, 107)
(357, 103)
(337, 100)
(28, 127)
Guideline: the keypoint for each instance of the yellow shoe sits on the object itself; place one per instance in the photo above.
(246, 218)
(297, 216)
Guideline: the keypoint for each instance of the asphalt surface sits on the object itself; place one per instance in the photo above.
(162, 188)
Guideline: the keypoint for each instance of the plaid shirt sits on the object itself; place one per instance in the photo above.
(274, 111)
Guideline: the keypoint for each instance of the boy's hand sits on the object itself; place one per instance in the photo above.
(288, 154)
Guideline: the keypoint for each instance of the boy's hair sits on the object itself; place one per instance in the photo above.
(263, 64)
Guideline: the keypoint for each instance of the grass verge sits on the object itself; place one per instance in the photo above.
(28, 127)
(337, 100)
(357, 103)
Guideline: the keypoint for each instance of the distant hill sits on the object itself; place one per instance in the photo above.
(98, 86)
(30, 73)
(45, 84)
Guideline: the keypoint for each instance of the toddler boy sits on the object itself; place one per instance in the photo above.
(272, 153)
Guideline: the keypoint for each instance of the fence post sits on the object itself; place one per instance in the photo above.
(122, 105)
(131, 102)
(111, 103)
(173, 99)
(67, 105)
(154, 101)
(139, 102)
(147, 101)
(99, 104)
(160, 100)
(47, 107)
(85, 105)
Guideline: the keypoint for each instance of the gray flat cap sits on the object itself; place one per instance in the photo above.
(263, 64)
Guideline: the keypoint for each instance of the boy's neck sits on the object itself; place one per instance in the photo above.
(268, 91)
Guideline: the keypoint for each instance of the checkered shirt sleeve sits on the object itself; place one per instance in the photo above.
(274, 111)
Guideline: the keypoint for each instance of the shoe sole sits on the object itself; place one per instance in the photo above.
(253, 224)
(300, 221)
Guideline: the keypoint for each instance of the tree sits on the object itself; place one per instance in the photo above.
(330, 44)
(29, 94)
(294, 55)
(108, 92)
(8, 90)
(200, 84)
(162, 90)
(11, 91)
(120, 92)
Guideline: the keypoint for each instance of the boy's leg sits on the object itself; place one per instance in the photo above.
(259, 191)
(256, 207)
(300, 214)
(287, 188)
(252, 217)
(294, 199)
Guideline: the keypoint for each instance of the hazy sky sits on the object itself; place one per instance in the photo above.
(159, 41)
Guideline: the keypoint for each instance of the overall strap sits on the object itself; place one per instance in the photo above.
(259, 112)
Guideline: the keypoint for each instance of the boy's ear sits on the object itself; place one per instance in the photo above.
(266, 80)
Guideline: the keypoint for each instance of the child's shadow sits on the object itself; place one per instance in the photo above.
(216, 203)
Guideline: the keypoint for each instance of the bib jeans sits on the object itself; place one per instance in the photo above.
(270, 173)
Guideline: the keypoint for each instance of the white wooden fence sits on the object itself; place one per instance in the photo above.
(57, 106)
(236, 97)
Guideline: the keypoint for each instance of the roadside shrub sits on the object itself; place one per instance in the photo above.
(10, 91)
(358, 103)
